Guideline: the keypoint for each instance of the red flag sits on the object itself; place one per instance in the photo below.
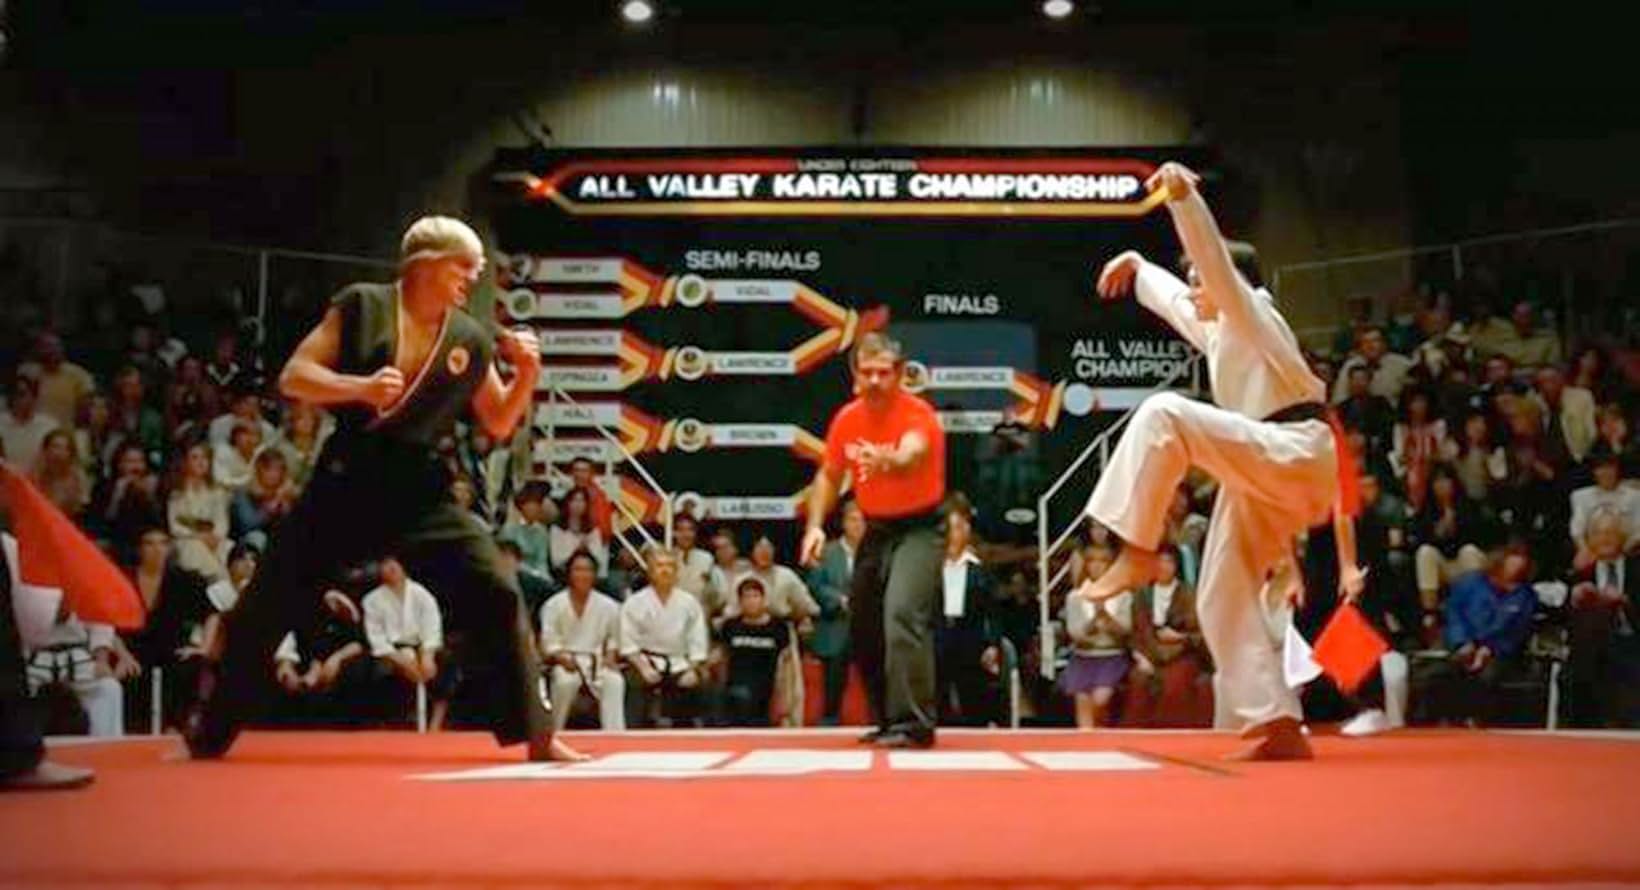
(1349, 647)
(54, 553)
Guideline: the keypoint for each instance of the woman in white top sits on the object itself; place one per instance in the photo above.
(1100, 635)
(575, 531)
(197, 514)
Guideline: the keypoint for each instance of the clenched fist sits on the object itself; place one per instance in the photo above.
(383, 388)
(520, 348)
(1176, 179)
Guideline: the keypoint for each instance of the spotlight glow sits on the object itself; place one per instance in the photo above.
(637, 11)
(1057, 9)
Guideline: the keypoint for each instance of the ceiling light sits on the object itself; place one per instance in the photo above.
(637, 11)
(1057, 9)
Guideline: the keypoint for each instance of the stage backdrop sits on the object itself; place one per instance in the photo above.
(704, 302)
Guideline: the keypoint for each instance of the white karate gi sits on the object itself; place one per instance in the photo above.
(588, 637)
(1275, 479)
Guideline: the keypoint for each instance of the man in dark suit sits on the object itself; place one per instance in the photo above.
(830, 582)
(967, 657)
(1604, 667)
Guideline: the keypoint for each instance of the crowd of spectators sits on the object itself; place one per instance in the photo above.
(1501, 482)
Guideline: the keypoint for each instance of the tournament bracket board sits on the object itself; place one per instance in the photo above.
(702, 304)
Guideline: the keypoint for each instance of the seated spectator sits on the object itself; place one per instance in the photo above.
(1603, 671)
(244, 407)
(62, 384)
(967, 653)
(223, 370)
(490, 469)
(1418, 442)
(135, 421)
(83, 660)
(60, 476)
(405, 631)
(580, 639)
(1455, 394)
(1488, 620)
(177, 608)
(786, 596)
(190, 404)
(1480, 464)
(576, 531)
(304, 434)
(1607, 493)
(1518, 338)
(727, 563)
(463, 495)
(1592, 370)
(1568, 412)
(599, 509)
(197, 511)
(1361, 409)
(1615, 439)
(1381, 545)
(1533, 496)
(1170, 684)
(23, 428)
(1186, 530)
(95, 438)
(694, 564)
(266, 500)
(535, 587)
(1451, 535)
(626, 573)
(531, 529)
(754, 641)
(325, 672)
(233, 463)
(664, 645)
(1445, 343)
(1101, 634)
(1387, 371)
(831, 581)
(124, 505)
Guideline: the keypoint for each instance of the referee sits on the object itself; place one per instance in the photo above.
(892, 443)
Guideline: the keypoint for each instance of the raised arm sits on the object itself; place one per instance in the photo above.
(1203, 243)
(1157, 289)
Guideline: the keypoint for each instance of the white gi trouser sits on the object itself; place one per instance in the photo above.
(1275, 481)
(567, 684)
(103, 698)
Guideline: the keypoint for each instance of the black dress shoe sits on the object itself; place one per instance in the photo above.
(48, 776)
(873, 734)
(906, 737)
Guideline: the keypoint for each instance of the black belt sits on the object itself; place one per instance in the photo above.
(1299, 413)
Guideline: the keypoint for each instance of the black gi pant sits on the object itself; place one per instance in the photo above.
(371, 496)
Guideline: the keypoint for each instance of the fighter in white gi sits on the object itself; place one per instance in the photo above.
(1267, 442)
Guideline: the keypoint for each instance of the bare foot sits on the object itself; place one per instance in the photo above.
(1281, 739)
(555, 749)
(1133, 569)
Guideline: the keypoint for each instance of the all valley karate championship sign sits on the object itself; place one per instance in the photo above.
(702, 305)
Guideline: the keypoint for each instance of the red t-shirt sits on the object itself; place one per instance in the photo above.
(886, 496)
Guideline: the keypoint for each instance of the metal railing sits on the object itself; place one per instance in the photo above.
(1048, 580)
(1380, 274)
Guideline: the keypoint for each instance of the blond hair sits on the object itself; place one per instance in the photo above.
(436, 237)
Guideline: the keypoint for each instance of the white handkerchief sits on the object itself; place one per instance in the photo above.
(1298, 663)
